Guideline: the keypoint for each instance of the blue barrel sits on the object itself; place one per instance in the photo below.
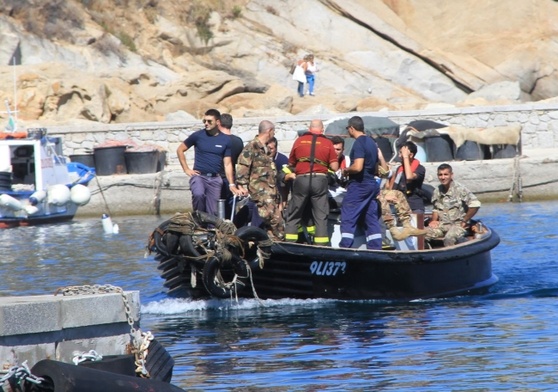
(472, 151)
(500, 151)
(439, 148)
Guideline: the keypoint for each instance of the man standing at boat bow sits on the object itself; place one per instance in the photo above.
(212, 154)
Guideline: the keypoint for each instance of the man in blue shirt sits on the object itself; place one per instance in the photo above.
(362, 190)
(225, 125)
(212, 151)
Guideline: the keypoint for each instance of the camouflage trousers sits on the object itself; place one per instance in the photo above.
(269, 211)
(449, 232)
(402, 209)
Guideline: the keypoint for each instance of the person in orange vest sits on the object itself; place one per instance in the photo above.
(312, 155)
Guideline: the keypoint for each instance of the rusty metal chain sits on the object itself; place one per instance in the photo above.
(140, 340)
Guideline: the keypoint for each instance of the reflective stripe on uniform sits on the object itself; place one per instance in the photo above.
(291, 237)
(373, 237)
(321, 240)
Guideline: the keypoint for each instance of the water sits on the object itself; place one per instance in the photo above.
(502, 341)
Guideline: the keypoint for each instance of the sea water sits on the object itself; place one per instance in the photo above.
(503, 341)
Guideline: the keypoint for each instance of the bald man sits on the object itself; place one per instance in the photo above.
(312, 155)
(256, 176)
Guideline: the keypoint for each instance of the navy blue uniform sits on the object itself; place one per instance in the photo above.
(360, 201)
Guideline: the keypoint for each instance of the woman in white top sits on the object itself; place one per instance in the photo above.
(310, 71)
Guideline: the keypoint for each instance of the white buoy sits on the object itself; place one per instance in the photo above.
(80, 194)
(58, 195)
(37, 197)
(30, 209)
(107, 224)
(10, 202)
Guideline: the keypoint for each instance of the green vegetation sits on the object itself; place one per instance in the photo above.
(127, 41)
(236, 12)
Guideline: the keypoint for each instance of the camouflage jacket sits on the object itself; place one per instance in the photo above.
(256, 171)
(452, 205)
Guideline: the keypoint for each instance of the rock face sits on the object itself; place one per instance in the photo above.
(157, 60)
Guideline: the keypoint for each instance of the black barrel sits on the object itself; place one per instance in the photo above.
(141, 162)
(86, 159)
(110, 160)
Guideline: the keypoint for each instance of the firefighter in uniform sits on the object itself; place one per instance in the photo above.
(312, 155)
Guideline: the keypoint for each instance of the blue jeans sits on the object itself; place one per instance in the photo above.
(310, 79)
(300, 89)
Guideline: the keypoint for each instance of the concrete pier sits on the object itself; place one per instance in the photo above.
(33, 328)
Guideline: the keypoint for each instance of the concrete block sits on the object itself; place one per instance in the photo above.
(27, 315)
(109, 345)
(97, 309)
(32, 353)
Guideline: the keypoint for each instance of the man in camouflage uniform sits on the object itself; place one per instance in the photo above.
(401, 205)
(402, 211)
(453, 206)
(256, 175)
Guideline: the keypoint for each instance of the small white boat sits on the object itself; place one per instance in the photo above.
(37, 183)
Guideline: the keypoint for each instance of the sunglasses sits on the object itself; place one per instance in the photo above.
(207, 121)
(347, 127)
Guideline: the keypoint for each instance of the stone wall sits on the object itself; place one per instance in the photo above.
(539, 122)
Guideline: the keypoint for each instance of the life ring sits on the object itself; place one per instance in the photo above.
(223, 279)
(251, 236)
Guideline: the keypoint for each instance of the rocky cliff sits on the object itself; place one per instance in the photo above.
(152, 60)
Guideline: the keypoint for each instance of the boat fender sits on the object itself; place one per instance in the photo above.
(58, 195)
(37, 197)
(10, 202)
(30, 210)
(158, 363)
(80, 194)
(71, 378)
(213, 276)
(253, 238)
(108, 226)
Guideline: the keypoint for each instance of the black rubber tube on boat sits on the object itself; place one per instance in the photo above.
(256, 235)
(187, 246)
(213, 266)
(65, 377)
(165, 242)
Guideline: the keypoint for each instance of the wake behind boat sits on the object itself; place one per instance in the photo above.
(201, 255)
(37, 183)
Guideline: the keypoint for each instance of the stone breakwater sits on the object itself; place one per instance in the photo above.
(167, 192)
(539, 124)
